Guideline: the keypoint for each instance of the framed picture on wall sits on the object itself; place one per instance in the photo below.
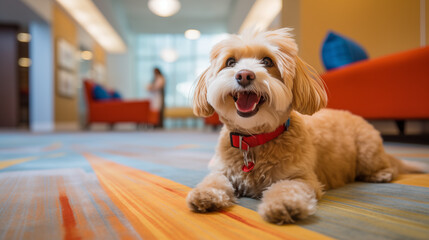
(66, 84)
(66, 55)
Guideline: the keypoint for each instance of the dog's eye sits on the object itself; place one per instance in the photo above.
(267, 62)
(231, 62)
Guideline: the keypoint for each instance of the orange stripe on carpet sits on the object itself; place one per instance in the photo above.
(69, 222)
(419, 180)
(53, 146)
(156, 208)
(11, 162)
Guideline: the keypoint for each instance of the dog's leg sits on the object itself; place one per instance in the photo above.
(288, 200)
(380, 168)
(373, 163)
(213, 193)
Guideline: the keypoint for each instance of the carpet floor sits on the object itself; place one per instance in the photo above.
(133, 185)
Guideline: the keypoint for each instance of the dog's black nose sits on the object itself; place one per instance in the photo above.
(244, 77)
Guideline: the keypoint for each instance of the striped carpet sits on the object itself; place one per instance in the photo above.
(133, 186)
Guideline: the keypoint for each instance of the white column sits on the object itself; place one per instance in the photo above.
(41, 78)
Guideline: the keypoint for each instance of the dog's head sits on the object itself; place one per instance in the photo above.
(256, 79)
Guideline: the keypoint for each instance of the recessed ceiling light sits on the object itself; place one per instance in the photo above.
(192, 34)
(169, 55)
(24, 37)
(164, 8)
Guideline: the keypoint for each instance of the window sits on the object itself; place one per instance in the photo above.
(193, 59)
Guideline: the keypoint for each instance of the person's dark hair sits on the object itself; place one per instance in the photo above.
(157, 71)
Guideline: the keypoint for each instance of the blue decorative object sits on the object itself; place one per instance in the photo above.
(100, 93)
(338, 51)
(116, 95)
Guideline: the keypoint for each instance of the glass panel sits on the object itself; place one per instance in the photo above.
(180, 75)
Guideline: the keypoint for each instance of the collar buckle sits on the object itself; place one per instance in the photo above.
(240, 142)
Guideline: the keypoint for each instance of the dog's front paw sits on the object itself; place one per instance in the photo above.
(276, 213)
(208, 199)
(282, 213)
(285, 203)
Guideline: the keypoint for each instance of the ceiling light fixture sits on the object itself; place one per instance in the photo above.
(192, 34)
(24, 62)
(24, 37)
(261, 15)
(86, 55)
(92, 20)
(164, 8)
(169, 55)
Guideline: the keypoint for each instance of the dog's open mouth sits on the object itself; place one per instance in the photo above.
(247, 103)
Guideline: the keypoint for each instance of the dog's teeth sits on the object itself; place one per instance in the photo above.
(254, 106)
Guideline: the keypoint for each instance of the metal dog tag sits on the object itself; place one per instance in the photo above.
(247, 158)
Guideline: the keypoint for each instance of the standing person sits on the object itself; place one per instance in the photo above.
(156, 88)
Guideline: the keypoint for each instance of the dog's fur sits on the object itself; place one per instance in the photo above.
(317, 153)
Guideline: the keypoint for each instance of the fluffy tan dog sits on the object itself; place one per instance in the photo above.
(256, 82)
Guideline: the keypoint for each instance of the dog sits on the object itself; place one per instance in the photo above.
(275, 144)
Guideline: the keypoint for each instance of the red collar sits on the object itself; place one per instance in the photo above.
(245, 142)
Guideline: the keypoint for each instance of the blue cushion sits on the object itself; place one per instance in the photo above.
(100, 93)
(339, 51)
(116, 95)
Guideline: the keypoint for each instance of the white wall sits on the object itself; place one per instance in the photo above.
(120, 68)
(120, 74)
(121, 71)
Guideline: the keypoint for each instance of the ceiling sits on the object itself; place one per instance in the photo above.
(208, 16)
(134, 16)
(129, 17)
(16, 12)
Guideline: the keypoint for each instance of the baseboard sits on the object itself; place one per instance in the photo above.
(414, 139)
(67, 126)
(42, 127)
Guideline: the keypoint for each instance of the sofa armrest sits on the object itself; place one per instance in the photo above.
(212, 120)
(391, 87)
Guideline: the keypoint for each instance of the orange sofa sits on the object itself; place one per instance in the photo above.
(115, 111)
(391, 87)
(213, 120)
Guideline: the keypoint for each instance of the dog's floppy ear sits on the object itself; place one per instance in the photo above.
(201, 106)
(308, 89)
(309, 94)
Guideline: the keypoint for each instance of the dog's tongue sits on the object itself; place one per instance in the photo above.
(246, 101)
